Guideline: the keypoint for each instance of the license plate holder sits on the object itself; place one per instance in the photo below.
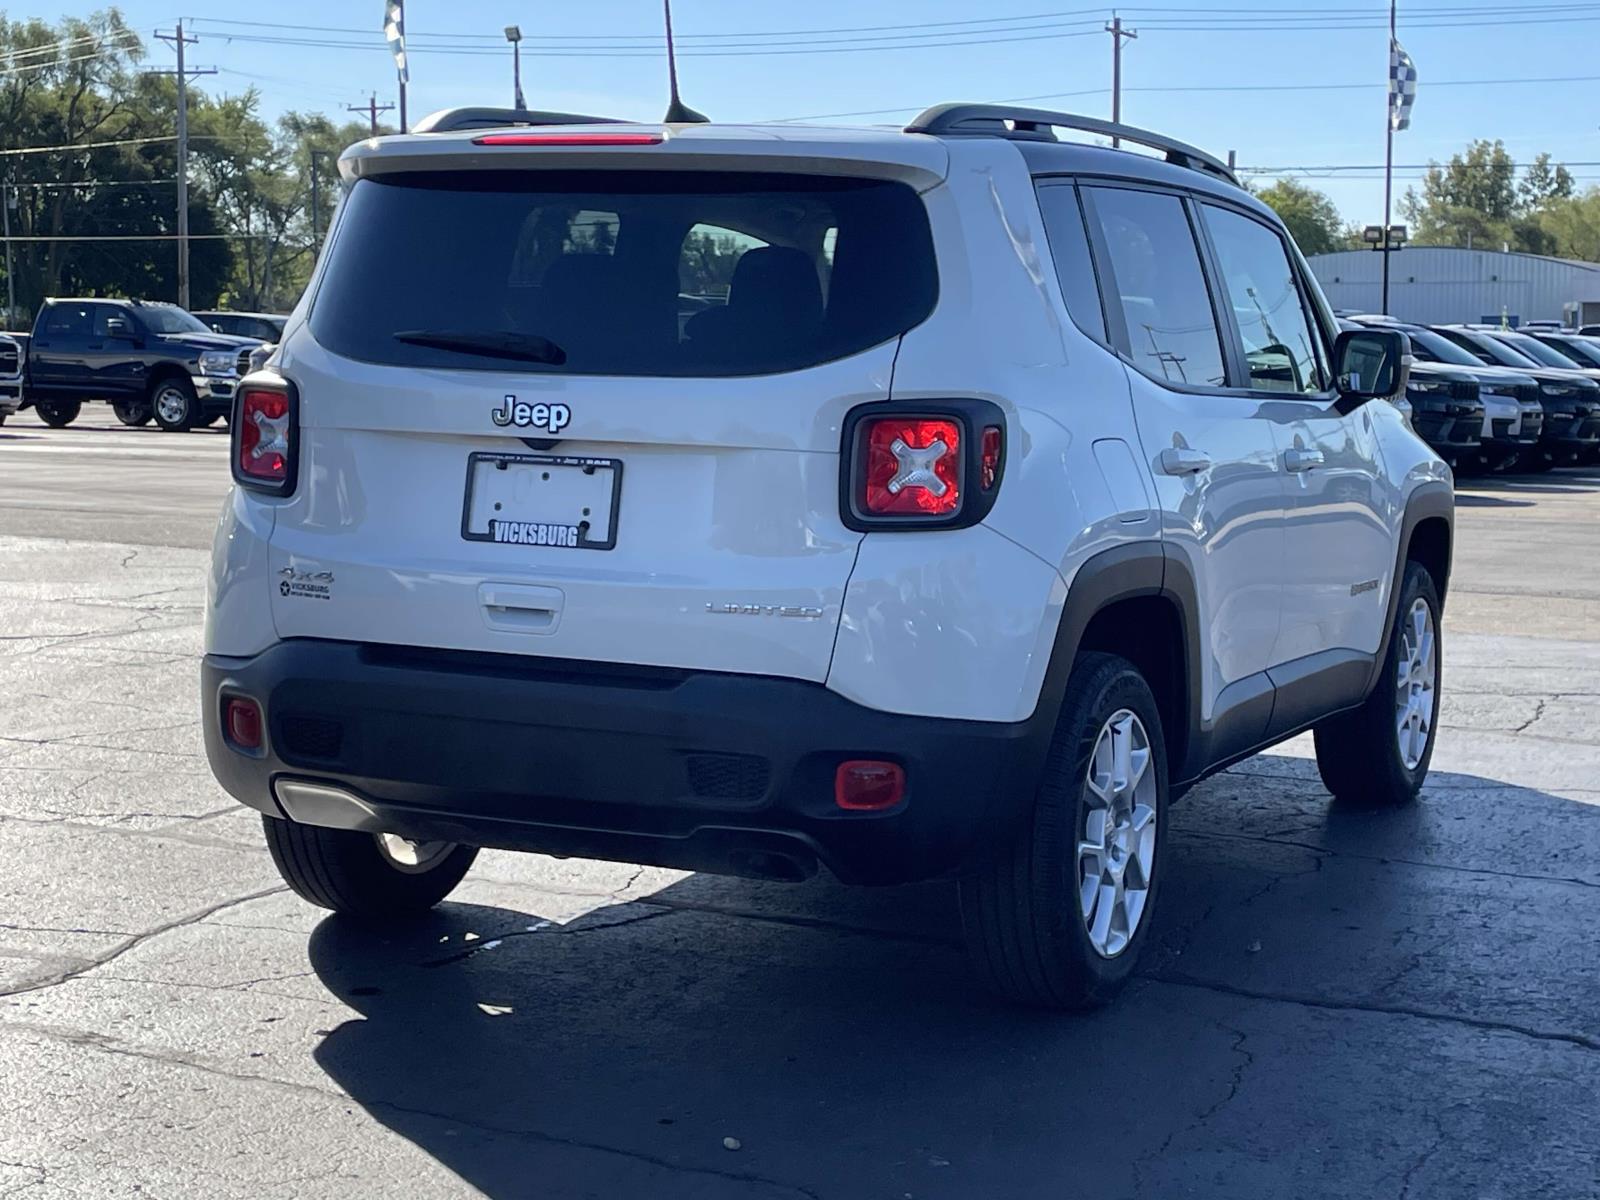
(566, 501)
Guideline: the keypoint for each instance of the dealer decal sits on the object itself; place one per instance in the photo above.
(305, 585)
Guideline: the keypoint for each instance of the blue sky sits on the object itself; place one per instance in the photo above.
(1012, 48)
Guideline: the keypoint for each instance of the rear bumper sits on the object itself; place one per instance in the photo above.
(712, 772)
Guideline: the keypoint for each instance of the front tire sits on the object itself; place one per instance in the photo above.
(58, 414)
(370, 876)
(1378, 755)
(174, 405)
(1057, 918)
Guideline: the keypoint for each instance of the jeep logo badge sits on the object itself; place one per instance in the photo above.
(552, 418)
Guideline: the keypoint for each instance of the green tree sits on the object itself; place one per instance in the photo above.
(1309, 214)
(1543, 184)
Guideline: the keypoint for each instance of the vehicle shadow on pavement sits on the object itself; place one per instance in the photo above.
(1332, 1001)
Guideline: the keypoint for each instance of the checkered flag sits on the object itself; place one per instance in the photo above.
(394, 29)
(1402, 87)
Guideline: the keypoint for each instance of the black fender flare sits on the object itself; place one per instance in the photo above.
(1434, 498)
(1132, 571)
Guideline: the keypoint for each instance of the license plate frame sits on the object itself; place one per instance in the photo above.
(578, 532)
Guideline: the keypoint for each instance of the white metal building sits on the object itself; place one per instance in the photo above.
(1441, 284)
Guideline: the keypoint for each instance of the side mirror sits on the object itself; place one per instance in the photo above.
(121, 331)
(1371, 364)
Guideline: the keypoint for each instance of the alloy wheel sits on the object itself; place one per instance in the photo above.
(1416, 684)
(1117, 840)
(171, 405)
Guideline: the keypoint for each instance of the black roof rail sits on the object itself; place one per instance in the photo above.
(453, 120)
(1035, 124)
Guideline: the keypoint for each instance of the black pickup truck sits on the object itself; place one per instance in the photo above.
(150, 361)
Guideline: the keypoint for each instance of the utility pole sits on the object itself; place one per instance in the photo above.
(178, 41)
(372, 108)
(1118, 33)
(6, 194)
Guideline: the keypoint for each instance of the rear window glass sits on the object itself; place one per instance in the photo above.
(658, 273)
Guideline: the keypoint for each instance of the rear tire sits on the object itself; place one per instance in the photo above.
(1378, 755)
(351, 872)
(174, 404)
(1031, 935)
(58, 414)
(132, 412)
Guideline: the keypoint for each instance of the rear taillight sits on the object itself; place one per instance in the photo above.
(265, 435)
(913, 467)
(923, 466)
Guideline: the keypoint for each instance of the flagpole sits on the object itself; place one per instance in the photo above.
(1388, 158)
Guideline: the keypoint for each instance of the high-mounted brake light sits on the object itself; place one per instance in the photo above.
(264, 438)
(569, 139)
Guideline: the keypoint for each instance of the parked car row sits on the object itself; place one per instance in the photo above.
(149, 361)
(1495, 399)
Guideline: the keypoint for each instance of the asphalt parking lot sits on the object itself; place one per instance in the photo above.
(1342, 1003)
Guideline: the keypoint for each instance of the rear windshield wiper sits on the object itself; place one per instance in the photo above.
(523, 347)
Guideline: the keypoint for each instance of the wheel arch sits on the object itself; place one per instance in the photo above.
(1427, 536)
(1139, 602)
(161, 373)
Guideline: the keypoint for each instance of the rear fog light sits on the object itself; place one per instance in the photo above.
(866, 785)
(241, 720)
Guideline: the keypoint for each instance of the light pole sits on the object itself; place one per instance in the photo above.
(514, 36)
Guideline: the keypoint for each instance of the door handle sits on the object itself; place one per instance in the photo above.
(1297, 461)
(1180, 460)
(520, 608)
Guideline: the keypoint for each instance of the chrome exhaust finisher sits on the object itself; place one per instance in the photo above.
(326, 806)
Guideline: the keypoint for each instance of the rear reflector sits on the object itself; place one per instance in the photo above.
(989, 468)
(241, 719)
(913, 467)
(866, 785)
(569, 139)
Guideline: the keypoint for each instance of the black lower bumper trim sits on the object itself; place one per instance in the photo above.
(703, 771)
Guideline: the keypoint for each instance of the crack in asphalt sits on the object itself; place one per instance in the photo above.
(1218, 835)
(1176, 979)
(1428, 1152)
(104, 1044)
(137, 940)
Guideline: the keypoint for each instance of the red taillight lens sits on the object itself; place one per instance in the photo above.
(264, 436)
(913, 467)
(569, 139)
(989, 459)
(241, 719)
(866, 785)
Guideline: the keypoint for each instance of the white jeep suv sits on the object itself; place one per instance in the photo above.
(924, 503)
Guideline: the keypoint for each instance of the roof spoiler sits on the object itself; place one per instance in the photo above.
(453, 120)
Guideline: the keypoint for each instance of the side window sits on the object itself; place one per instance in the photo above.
(70, 320)
(1154, 273)
(1069, 246)
(1280, 351)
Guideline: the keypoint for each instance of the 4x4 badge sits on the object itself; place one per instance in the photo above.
(552, 418)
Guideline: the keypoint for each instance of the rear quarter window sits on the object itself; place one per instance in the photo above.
(628, 273)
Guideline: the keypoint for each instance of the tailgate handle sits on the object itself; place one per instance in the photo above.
(521, 608)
